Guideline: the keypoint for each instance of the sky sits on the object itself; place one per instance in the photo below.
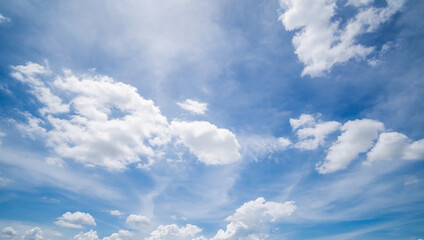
(212, 120)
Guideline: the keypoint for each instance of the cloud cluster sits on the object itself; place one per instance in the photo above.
(92, 235)
(253, 219)
(321, 41)
(32, 234)
(75, 220)
(100, 122)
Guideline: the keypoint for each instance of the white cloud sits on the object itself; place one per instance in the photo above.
(137, 220)
(193, 106)
(2, 134)
(9, 233)
(394, 146)
(305, 120)
(311, 131)
(253, 219)
(211, 145)
(4, 181)
(258, 146)
(320, 41)
(90, 235)
(357, 137)
(108, 124)
(75, 220)
(121, 235)
(33, 234)
(116, 213)
(4, 19)
(173, 232)
(55, 161)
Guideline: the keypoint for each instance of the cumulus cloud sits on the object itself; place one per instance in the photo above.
(396, 146)
(253, 219)
(75, 220)
(108, 124)
(193, 106)
(90, 235)
(312, 132)
(34, 234)
(137, 220)
(321, 41)
(211, 145)
(173, 232)
(121, 235)
(9, 233)
(357, 137)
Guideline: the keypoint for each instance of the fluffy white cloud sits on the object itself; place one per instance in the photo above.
(173, 232)
(357, 137)
(116, 213)
(75, 220)
(34, 234)
(9, 233)
(394, 146)
(121, 235)
(193, 106)
(210, 144)
(137, 220)
(320, 41)
(90, 235)
(311, 133)
(108, 124)
(252, 220)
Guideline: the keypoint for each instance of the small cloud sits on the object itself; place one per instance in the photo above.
(116, 213)
(193, 106)
(4, 181)
(411, 181)
(4, 19)
(137, 220)
(75, 220)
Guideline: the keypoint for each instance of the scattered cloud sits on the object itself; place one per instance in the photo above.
(321, 41)
(357, 137)
(396, 146)
(55, 161)
(75, 220)
(4, 181)
(312, 133)
(211, 145)
(253, 219)
(2, 134)
(193, 106)
(258, 146)
(137, 220)
(176, 233)
(90, 235)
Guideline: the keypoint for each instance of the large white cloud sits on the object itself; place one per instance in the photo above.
(193, 106)
(135, 220)
(321, 41)
(75, 220)
(253, 219)
(357, 137)
(108, 124)
(211, 145)
(395, 146)
(173, 232)
(312, 133)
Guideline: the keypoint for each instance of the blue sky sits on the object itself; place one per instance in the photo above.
(154, 120)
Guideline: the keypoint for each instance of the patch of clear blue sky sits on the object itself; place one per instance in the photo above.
(256, 91)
